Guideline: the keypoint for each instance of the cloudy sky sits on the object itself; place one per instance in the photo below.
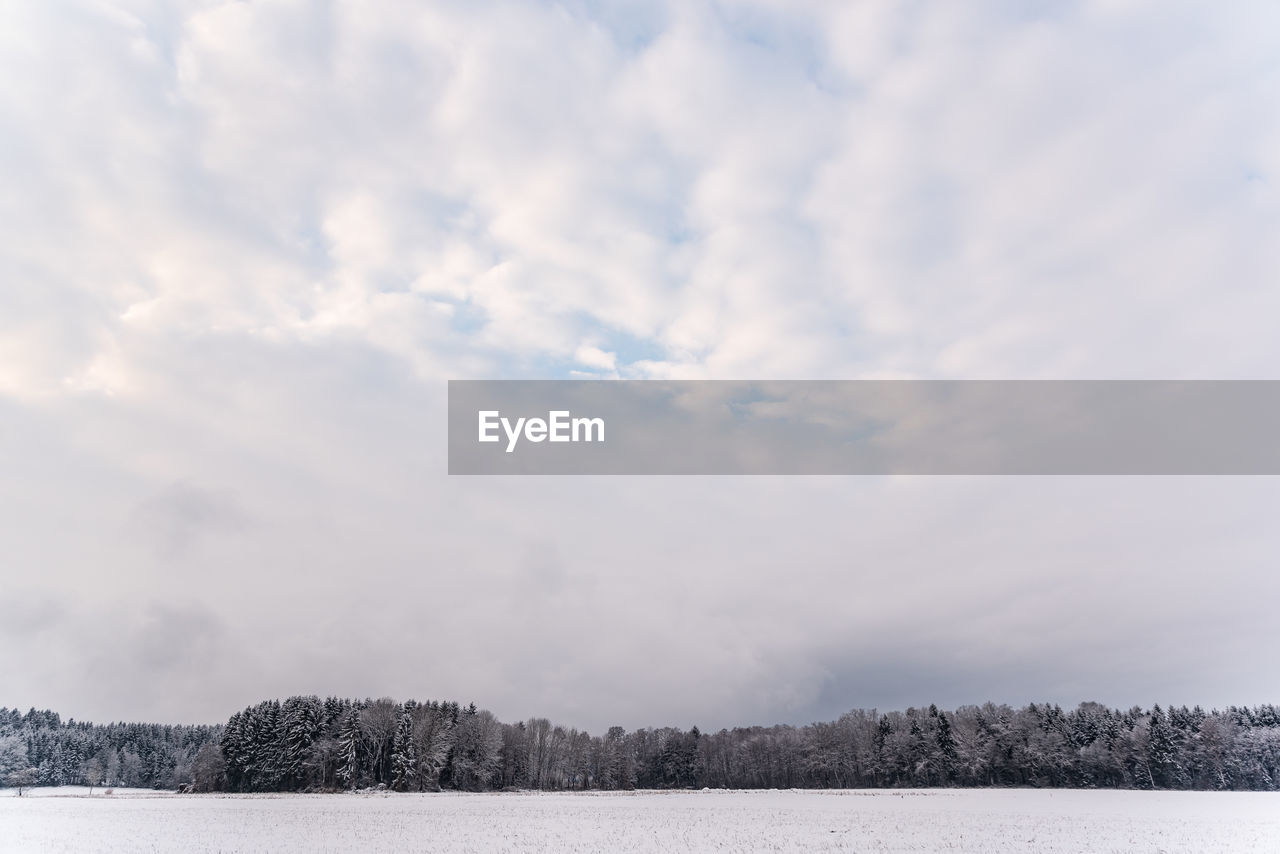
(243, 245)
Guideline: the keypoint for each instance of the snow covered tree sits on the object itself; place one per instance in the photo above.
(475, 750)
(13, 754)
(301, 726)
(948, 755)
(378, 722)
(209, 769)
(433, 730)
(235, 751)
(349, 742)
(15, 769)
(404, 756)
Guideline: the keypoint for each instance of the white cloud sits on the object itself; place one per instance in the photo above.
(594, 357)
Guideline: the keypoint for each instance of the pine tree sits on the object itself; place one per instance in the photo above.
(233, 750)
(301, 726)
(266, 743)
(1161, 759)
(349, 738)
(404, 755)
(947, 747)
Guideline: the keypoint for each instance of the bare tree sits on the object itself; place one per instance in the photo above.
(476, 750)
(22, 780)
(93, 770)
(209, 769)
(432, 737)
(15, 769)
(378, 721)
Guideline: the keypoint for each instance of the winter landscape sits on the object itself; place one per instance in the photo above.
(254, 598)
(981, 822)
(312, 775)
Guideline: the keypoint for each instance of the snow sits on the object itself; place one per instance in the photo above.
(979, 821)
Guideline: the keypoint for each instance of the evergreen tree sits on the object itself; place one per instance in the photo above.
(947, 748)
(301, 726)
(404, 756)
(349, 738)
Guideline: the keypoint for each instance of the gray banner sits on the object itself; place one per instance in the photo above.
(863, 427)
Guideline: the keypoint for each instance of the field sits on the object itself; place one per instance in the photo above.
(978, 821)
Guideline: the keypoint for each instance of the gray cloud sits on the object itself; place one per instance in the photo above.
(27, 615)
(182, 514)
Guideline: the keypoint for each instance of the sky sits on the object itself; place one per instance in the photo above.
(244, 245)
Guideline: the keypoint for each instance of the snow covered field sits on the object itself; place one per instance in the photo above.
(979, 821)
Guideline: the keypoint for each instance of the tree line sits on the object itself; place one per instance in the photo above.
(310, 744)
(38, 748)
